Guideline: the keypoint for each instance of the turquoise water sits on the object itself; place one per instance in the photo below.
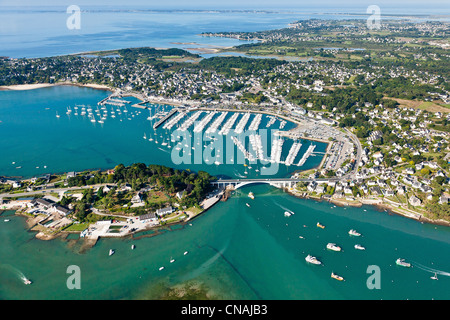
(237, 252)
(41, 31)
(34, 141)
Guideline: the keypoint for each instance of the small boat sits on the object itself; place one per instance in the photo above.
(359, 247)
(162, 268)
(27, 281)
(301, 237)
(434, 277)
(185, 253)
(287, 214)
(353, 232)
(402, 263)
(333, 246)
(309, 258)
(335, 276)
(247, 205)
(320, 225)
(111, 252)
(133, 246)
(251, 195)
(6, 220)
(172, 260)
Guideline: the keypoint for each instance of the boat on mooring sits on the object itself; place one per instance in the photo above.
(335, 276)
(320, 225)
(359, 247)
(353, 232)
(309, 258)
(333, 246)
(111, 252)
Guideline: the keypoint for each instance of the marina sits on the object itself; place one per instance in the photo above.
(215, 125)
(202, 124)
(241, 147)
(242, 123)
(190, 121)
(165, 118)
(255, 142)
(254, 125)
(277, 146)
(307, 154)
(293, 153)
(229, 124)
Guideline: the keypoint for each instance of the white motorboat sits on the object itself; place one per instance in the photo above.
(111, 252)
(402, 263)
(333, 246)
(309, 258)
(353, 232)
(359, 247)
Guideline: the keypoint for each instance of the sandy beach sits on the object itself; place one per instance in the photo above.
(21, 87)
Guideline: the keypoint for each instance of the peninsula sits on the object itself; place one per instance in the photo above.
(380, 98)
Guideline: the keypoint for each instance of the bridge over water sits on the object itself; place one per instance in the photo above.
(278, 183)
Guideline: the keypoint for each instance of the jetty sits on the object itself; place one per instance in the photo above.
(217, 123)
(169, 124)
(254, 125)
(189, 122)
(202, 124)
(227, 126)
(293, 153)
(307, 154)
(255, 141)
(241, 147)
(165, 118)
(242, 123)
(277, 147)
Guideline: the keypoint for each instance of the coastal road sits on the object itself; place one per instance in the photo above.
(51, 190)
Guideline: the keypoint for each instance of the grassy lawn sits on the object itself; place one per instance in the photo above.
(156, 197)
(77, 227)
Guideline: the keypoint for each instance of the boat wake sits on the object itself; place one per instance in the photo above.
(238, 174)
(284, 208)
(14, 270)
(431, 270)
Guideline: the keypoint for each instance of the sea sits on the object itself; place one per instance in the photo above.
(239, 252)
(36, 141)
(239, 249)
(42, 31)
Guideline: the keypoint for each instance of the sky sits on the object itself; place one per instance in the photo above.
(259, 4)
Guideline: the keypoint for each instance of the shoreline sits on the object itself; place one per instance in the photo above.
(379, 204)
(33, 86)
